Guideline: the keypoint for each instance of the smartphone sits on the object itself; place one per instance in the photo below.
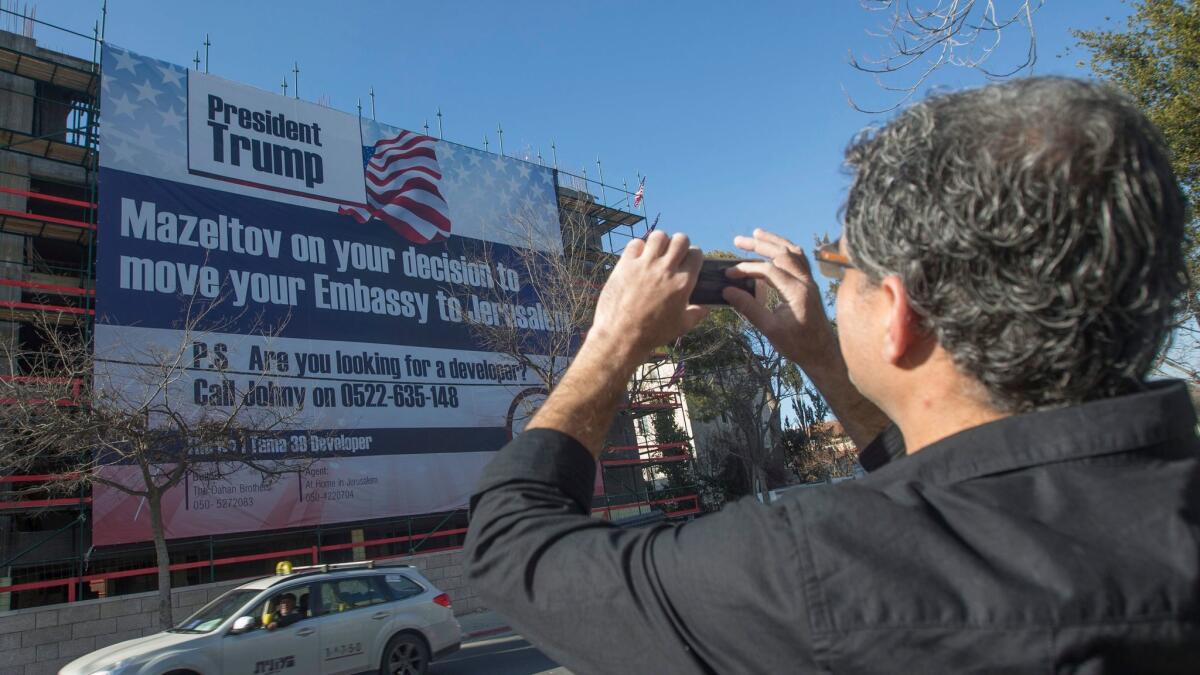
(712, 281)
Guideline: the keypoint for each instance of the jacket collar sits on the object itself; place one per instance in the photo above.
(1160, 414)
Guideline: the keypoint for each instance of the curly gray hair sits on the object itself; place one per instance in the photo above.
(1037, 228)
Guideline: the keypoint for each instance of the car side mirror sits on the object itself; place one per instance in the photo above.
(243, 624)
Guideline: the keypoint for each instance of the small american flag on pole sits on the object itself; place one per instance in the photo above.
(651, 228)
(677, 375)
(641, 192)
(402, 177)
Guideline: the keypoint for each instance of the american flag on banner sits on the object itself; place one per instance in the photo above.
(402, 177)
(641, 192)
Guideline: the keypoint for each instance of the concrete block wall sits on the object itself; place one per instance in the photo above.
(41, 640)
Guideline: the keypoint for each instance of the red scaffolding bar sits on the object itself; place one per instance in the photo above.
(35, 225)
(313, 551)
(75, 386)
(37, 504)
(653, 401)
(37, 478)
(35, 307)
(693, 499)
(644, 453)
(41, 196)
(10, 213)
(54, 289)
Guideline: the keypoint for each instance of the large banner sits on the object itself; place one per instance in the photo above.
(343, 262)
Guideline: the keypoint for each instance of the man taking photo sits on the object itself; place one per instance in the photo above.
(1010, 265)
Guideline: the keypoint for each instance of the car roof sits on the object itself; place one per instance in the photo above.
(334, 570)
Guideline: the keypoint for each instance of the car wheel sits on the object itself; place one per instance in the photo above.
(406, 654)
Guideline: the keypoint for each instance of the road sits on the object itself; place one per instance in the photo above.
(502, 655)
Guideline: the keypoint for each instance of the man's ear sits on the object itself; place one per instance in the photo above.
(903, 337)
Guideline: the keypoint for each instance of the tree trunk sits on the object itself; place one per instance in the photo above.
(761, 488)
(165, 619)
(774, 419)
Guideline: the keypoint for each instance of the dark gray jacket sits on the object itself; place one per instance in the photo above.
(1058, 541)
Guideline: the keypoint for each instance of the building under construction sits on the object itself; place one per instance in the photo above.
(50, 130)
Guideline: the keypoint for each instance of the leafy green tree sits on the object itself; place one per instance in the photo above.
(803, 443)
(678, 476)
(736, 377)
(815, 450)
(667, 430)
(1156, 60)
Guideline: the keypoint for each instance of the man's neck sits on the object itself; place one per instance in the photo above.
(941, 410)
(918, 437)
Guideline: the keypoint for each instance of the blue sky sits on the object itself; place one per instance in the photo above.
(736, 112)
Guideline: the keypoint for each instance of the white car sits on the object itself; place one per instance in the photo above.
(348, 618)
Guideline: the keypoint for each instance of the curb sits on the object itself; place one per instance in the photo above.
(486, 632)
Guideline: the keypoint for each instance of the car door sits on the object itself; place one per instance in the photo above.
(352, 623)
(291, 650)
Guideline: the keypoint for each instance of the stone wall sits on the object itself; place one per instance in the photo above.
(41, 640)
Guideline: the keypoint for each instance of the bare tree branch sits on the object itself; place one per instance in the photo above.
(921, 39)
(88, 419)
(562, 275)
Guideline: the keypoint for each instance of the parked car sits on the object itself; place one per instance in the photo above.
(319, 620)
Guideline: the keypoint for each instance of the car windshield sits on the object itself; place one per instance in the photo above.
(215, 613)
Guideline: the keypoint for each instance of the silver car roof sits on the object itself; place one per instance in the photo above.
(333, 570)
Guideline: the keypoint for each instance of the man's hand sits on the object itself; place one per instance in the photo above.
(800, 330)
(798, 327)
(644, 303)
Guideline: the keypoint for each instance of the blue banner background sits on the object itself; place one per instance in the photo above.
(118, 306)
